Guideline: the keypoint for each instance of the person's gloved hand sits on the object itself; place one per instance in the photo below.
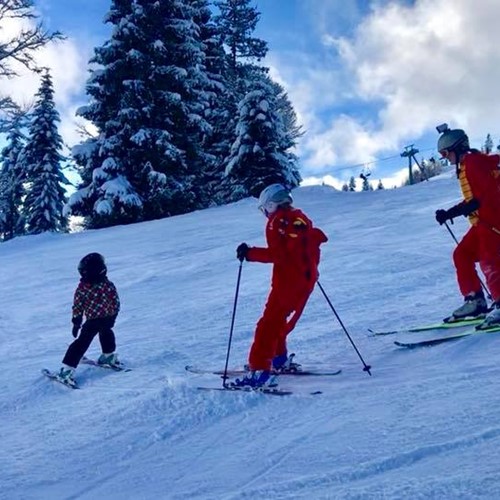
(77, 323)
(75, 331)
(442, 216)
(242, 251)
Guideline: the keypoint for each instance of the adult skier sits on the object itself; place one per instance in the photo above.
(293, 247)
(479, 178)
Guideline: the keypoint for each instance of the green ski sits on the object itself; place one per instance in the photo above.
(450, 338)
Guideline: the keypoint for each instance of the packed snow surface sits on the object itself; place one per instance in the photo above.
(424, 425)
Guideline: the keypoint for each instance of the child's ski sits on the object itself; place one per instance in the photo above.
(54, 376)
(120, 367)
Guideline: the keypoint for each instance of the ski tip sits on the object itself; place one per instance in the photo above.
(402, 344)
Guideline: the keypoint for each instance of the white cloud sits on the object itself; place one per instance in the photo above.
(67, 61)
(417, 65)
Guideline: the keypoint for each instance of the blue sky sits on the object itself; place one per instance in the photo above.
(366, 78)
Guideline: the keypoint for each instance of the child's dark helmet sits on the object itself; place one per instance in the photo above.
(92, 267)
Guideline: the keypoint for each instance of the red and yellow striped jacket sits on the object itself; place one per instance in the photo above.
(479, 177)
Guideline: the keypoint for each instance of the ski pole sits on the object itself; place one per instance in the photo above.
(488, 294)
(224, 377)
(366, 368)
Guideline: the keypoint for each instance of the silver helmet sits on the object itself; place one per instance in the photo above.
(453, 140)
(272, 197)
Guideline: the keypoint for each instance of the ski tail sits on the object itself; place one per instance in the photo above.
(444, 325)
(449, 338)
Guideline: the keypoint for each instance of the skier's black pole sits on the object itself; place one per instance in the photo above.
(366, 367)
(224, 377)
(488, 294)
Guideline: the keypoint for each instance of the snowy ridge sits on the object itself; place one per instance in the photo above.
(425, 425)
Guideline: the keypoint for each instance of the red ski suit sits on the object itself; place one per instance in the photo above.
(293, 249)
(479, 178)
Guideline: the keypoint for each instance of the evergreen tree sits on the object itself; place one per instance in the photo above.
(260, 155)
(221, 110)
(366, 186)
(285, 109)
(148, 102)
(488, 145)
(12, 183)
(380, 186)
(345, 187)
(237, 22)
(46, 195)
(352, 184)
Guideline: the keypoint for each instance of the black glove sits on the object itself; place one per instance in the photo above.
(442, 216)
(242, 251)
(464, 208)
(77, 323)
(470, 206)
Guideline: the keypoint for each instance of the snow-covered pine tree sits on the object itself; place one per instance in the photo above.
(293, 129)
(148, 101)
(41, 160)
(221, 110)
(380, 185)
(366, 186)
(488, 144)
(260, 154)
(105, 195)
(352, 184)
(12, 183)
(237, 21)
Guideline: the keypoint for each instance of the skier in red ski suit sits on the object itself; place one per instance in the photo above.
(479, 178)
(293, 249)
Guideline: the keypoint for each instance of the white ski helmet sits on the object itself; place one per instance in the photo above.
(272, 197)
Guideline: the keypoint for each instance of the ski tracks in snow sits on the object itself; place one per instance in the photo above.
(342, 483)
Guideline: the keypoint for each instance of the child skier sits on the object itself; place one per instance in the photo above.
(95, 298)
(479, 178)
(293, 249)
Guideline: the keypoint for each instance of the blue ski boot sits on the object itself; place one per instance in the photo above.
(256, 379)
(285, 364)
